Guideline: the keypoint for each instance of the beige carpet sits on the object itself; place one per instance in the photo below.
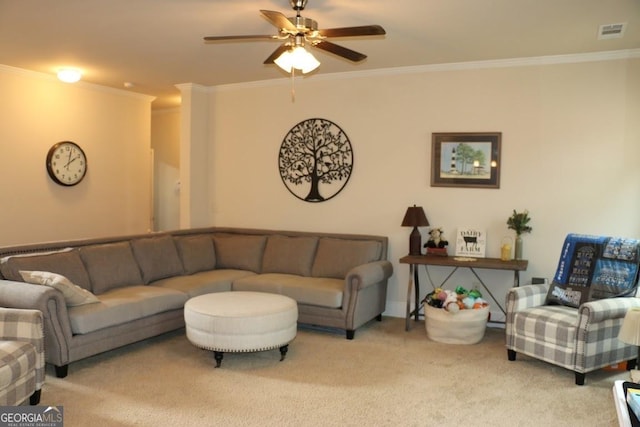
(384, 377)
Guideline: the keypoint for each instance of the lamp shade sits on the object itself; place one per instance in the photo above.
(630, 330)
(415, 217)
(298, 58)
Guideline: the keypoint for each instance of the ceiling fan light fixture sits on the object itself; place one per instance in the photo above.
(298, 58)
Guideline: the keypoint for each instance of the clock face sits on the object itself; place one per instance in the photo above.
(66, 163)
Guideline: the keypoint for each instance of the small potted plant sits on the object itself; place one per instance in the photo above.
(519, 222)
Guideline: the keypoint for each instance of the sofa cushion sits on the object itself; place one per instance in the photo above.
(204, 282)
(240, 252)
(318, 291)
(110, 266)
(157, 257)
(291, 255)
(554, 325)
(196, 252)
(122, 305)
(335, 257)
(72, 293)
(66, 262)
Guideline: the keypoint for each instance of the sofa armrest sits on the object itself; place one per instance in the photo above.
(606, 309)
(368, 274)
(49, 301)
(25, 325)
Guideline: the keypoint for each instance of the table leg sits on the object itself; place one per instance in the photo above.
(412, 269)
(416, 285)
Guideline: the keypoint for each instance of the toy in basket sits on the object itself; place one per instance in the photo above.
(455, 317)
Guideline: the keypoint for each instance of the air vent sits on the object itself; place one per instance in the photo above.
(611, 31)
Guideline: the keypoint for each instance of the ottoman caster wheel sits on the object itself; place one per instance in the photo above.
(218, 356)
(283, 352)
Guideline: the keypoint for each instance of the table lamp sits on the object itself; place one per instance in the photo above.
(415, 217)
(630, 334)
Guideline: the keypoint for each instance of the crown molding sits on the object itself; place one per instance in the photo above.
(454, 66)
(80, 84)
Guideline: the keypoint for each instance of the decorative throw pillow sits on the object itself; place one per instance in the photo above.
(73, 294)
(595, 267)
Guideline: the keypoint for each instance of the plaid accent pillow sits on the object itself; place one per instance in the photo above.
(73, 294)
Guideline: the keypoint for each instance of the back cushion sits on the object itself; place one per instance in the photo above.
(66, 262)
(239, 252)
(290, 255)
(196, 252)
(157, 257)
(110, 266)
(335, 257)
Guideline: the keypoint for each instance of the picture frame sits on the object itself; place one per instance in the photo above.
(465, 159)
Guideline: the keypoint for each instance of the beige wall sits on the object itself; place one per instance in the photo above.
(112, 127)
(569, 155)
(165, 142)
(571, 140)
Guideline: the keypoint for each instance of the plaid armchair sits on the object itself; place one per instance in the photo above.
(575, 325)
(22, 358)
(580, 339)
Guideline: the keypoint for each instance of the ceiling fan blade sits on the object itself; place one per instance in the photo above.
(280, 21)
(229, 38)
(365, 30)
(349, 54)
(276, 53)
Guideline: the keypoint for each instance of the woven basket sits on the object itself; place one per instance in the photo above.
(462, 327)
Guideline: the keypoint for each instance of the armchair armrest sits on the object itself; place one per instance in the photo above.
(368, 274)
(21, 325)
(605, 309)
(524, 297)
(25, 325)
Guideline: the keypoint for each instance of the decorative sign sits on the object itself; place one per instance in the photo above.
(471, 242)
(315, 160)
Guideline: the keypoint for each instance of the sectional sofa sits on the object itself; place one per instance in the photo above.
(100, 294)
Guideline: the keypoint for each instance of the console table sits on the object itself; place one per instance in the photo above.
(415, 261)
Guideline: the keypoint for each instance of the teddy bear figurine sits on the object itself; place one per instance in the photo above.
(436, 245)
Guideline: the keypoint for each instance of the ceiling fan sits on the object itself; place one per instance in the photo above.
(298, 31)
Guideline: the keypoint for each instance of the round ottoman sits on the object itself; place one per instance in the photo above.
(241, 322)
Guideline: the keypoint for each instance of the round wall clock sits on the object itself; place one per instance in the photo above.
(66, 163)
(315, 160)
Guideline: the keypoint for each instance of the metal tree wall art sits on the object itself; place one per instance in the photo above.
(315, 160)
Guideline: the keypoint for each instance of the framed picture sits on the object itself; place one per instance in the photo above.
(466, 159)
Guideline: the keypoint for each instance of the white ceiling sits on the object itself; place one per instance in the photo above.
(156, 44)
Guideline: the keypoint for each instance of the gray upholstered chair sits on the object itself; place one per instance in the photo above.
(22, 368)
(581, 338)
